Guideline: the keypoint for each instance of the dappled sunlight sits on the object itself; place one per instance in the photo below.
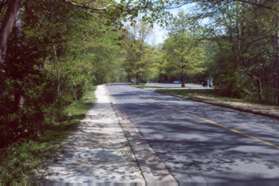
(204, 52)
(96, 153)
(198, 152)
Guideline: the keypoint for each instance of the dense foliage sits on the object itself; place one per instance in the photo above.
(183, 56)
(239, 42)
(55, 52)
(244, 37)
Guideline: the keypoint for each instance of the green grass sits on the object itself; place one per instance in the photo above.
(79, 108)
(206, 94)
(186, 92)
(18, 161)
(143, 85)
(137, 85)
(192, 93)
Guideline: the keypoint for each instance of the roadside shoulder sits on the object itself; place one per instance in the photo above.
(152, 168)
(265, 110)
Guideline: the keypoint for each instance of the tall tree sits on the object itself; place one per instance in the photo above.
(7, 26)
(185, 54)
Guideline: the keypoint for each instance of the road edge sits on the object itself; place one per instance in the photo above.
(274, 116)
(226, 105)
(154, 171)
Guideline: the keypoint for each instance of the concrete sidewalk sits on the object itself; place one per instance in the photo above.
(99, 153)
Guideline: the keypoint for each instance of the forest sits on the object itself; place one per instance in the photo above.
(52, 52)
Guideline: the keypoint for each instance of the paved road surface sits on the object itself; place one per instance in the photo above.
(203, 144)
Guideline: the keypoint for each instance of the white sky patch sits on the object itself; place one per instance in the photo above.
(159, 34)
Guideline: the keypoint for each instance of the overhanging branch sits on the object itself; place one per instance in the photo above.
(87, 7)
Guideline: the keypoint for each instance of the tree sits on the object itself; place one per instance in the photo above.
(246, 34)
(54, 53)
(185, 54)
(7, 26)
(133, 42)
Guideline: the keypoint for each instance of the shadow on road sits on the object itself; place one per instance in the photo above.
(196, 152)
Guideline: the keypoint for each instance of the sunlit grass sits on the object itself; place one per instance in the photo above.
(143, 85)
(201, 93)
(187, 92)
(194, 93)
(79, 108)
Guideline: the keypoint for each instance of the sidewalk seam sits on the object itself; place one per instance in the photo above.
(155, 154)
(130, 145)
(153, 169)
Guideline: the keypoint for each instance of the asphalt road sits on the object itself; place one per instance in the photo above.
(202, 144)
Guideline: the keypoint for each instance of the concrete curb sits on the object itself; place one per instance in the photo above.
(226, 105)
(153, 169)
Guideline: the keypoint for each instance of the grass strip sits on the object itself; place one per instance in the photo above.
(18, 161)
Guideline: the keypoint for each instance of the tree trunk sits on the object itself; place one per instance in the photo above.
(182, 77)
(275, 66)
(259, 89)
(182, 82)
(57, 70)
(7, 27)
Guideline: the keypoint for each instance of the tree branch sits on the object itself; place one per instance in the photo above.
(87, 7)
